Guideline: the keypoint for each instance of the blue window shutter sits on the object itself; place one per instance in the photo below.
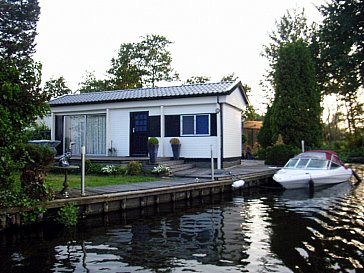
(213, 125)
(172, 126)
(202, 124)
(154, 126)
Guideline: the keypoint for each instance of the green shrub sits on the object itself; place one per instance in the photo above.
(153, 140)
(278, 155)
(67, 215)
(38, 158)
(94, 168)
(134, 168)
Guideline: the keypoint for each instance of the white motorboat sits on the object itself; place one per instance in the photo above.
(313, 168)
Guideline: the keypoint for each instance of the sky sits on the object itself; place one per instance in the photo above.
(210, 37)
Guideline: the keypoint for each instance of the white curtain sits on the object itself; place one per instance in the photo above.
(89, 130)
(96, 134)
(74, 133)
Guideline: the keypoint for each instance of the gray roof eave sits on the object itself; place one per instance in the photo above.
(142, 99)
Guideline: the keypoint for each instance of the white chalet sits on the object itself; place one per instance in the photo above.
(200, 115)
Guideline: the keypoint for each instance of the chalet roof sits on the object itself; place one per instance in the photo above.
(192, 90)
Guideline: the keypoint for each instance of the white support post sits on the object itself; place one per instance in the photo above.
(212, 165)
(162, 132)
(83, 167)
(303, 146)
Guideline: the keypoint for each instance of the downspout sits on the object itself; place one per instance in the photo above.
(219, 130)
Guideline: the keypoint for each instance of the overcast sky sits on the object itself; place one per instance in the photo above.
(210, 37)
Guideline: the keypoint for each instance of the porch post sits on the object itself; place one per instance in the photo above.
(162, 132)
(53, 126)
(108, 140)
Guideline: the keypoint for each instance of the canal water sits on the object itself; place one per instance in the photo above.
(259, 231)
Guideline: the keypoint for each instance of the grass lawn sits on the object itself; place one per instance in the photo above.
(74, 180)
(56, 180)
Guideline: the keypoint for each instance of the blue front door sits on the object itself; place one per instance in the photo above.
(139, 133)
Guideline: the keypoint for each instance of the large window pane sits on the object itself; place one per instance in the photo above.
(202, 124)
(96, 134)
(88, 130)
(188, 125)
(74, 133)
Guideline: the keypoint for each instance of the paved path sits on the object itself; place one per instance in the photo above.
(196, 175)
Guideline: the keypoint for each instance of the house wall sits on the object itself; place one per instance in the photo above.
(232, 146)
(118, 123)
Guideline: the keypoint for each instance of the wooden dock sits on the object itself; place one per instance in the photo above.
(192, 184)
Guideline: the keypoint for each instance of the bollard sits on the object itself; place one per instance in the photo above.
(212, 165)
(83, 166)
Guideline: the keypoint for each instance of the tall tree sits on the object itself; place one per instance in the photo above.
(155, 60)
(291, 27)
(57, 86)
(296, 110)
(125, 73)
(91, 84)
(142, 64)
(341, 41)
(18, 29)
(21, 99)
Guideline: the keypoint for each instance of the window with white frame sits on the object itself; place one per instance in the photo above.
(88, 130)
(195, 125)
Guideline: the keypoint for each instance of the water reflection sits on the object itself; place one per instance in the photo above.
(291, 231)
(322, 233)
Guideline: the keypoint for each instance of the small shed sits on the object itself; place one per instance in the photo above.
(202, 116)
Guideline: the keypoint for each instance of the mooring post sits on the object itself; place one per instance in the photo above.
(83, 167)
(212, 165)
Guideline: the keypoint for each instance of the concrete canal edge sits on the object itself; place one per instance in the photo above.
(121, 201)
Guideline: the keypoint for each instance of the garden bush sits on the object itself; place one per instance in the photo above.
(38, 158)
(278, 155)
(134, 168)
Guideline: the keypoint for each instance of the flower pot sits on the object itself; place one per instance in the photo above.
(176, 149)
(153, 152)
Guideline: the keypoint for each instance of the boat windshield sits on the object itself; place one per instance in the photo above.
(291, 163)
(302, 163)
(317, 164)
(314, 160)
(306, 163)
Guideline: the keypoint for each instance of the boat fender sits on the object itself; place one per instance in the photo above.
(358, 179)
(238, 184)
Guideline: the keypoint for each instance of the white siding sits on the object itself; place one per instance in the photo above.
(232, 132)
(236, 99)
(119, 124)
(193, 147)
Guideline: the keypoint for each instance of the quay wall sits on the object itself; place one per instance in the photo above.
(120, 201)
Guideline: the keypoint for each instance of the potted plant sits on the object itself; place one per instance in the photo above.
(153, 145)
(176, 147)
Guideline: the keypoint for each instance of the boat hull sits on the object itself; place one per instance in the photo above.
(296, 179)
